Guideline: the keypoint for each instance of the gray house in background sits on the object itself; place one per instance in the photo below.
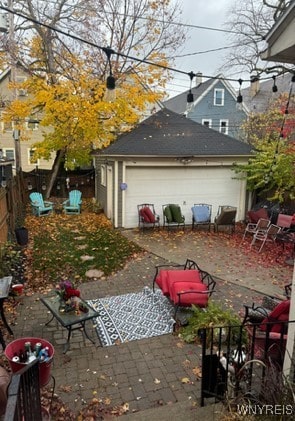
(259, 95)
(214, 105)
(169, 158)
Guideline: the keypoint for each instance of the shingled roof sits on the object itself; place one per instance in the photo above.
(167, 134)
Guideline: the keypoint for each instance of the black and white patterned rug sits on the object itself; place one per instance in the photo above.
(132, 316)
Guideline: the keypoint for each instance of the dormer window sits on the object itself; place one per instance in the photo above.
(219, 97)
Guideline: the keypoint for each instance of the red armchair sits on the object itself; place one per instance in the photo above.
(185, 285)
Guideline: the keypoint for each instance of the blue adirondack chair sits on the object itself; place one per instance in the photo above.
(73, 204)
(39, 206)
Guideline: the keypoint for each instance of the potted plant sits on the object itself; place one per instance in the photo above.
(21, 232)
(212, 316)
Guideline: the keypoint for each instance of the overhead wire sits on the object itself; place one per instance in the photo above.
(185, 25)
(109, 50)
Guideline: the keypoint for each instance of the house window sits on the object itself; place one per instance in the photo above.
(9, 153)
(103, 175)
(21, 91)
(32, 160)
(207, 122)
(32, 125)
(223, 127)
(6, 126)
(219, 97)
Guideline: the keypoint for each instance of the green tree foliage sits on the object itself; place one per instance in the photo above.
(67, 77)
(272, 168)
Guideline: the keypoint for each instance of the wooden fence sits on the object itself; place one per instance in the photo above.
(14, 198)
(12, 208)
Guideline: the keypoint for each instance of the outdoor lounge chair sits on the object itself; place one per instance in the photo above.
(39, 206)
(172, 216)
(266, 236)
(147, 217)
(226, 216)
(251, 228)
(201, 215)
(185, 285)
(284, 221)
(268, 336)
(73, 204)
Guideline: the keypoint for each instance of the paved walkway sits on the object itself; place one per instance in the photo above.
(149, 375)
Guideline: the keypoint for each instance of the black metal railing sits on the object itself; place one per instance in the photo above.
(24, 400)
(235, 359)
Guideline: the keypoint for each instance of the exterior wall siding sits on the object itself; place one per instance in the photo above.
(31, 136)
(100, 190)
(120, 194)
(205, 109)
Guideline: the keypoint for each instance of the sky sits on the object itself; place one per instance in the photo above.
(205, 13)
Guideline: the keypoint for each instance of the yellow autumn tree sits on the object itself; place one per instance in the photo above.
(67, 74)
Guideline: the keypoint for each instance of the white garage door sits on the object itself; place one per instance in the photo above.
(184, 186)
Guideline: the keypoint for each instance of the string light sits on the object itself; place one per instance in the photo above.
(240, 96)
(110, 94)
(110, 79)
(190, 96)
(43, 186)
(274, 86)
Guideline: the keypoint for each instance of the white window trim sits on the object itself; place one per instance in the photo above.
(205, 120)
(21, 91)
(9, 149)
(223, 127)
(222, 97)
(35, 126)
(3, 129)
(103, 178)
(37, 162)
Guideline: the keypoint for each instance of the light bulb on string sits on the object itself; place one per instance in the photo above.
(3, 181)
(240, 97)
(43, 187)
(274, 86)
(30, 187)
(110, 93)
(190, 95)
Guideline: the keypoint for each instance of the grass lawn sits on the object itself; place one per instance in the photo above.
(66, 246)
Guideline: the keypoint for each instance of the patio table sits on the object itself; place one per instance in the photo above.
(69, 320)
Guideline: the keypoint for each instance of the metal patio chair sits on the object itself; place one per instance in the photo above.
(201, 215)
(266, 236)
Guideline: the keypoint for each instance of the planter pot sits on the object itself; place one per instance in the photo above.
(22, 236)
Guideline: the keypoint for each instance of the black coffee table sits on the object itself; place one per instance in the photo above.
(69, 320)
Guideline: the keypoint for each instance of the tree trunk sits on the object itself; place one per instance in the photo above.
(55, 168)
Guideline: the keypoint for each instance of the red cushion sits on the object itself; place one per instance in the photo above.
(279, 313)
(161, 281)
(190, 275)
(254, 216)
(293, 219)
(166, 278)
(149, 214)
(142, 214)
(195, 297)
